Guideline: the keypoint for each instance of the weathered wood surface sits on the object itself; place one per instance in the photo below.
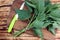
(28, 35)
(4, 13)
(6, 2)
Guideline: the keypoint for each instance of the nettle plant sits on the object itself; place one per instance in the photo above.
(41, 14)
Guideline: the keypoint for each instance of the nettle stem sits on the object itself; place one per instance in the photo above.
(25, 29)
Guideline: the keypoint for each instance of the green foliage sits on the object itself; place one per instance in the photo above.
(23, 14)
(38, 24)
(17, 33)
(55, 14)
(40, 5)
(45, 15)
(52, 30)
(38, 32)
(56, 25)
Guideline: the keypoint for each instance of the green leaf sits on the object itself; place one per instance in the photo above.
(55, 14)
(47, 2)
(33, 2)
(37, 24)
(55, 18)
(51, 7)
(17, 33)
(35, 12)
(41, 17)
(52, 30)
(46, 24)
(31, 5)
(29, 8)
(23, 14)
(40, 5)
(38, 32)
(58, 22)
(56, 25)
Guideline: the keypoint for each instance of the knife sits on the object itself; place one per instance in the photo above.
(15, 18)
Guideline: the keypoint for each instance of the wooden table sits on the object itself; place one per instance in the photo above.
(28, 35)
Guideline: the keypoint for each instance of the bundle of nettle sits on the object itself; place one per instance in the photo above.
(41, 14)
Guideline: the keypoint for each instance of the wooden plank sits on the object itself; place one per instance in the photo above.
(57, 34)
(3, 19)
(20, 38)
(55, 1)
(3, 31)
(20, 25)
(5, 9)
(2, 23)
(6, 2)
(28, 35)
(4, 14)
(5, 35)
(48, 35)
(3, 27)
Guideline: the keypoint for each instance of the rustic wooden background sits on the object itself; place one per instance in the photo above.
(6, 14)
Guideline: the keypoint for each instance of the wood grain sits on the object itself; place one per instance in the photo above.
(28, 35)
(6, 2)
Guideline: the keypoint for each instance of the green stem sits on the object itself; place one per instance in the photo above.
(30, 4)
(23, 30)
(29, 23)
(18, 32)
